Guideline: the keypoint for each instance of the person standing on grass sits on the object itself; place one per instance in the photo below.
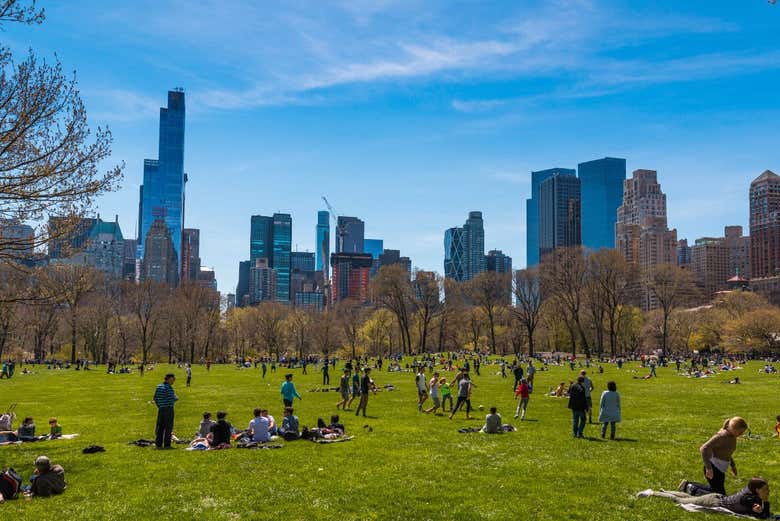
(524, 393)
(531, 372)
(587, 384)
(717, 453)
(422, 388)
(355, 386)
(609, 410)
(366, 385)
(188, 370)
(164, 398)
(344, 389)
(464, 395)
(446, 394)
(325, 374)
(517, 370)
(288, 390)
(264, 367)
(578, 403)
(434, 385)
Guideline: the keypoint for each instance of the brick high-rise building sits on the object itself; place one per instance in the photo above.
(641, 233)
(190, 254)
(350, 276)
(710, 265)
(765, 225)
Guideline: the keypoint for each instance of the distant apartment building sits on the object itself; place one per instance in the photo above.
(91, 242)
(390, 257)
(642, 235)
(190, 255)
(160, 261)
(497, 262)
(351, 275)
(683, 254)
(17, 240)
(765, 226)
(262, 282)
(717, 263)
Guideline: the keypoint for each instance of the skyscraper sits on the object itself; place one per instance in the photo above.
(350, 276)
(282, 247)
(559, 213)
(464, 249)
(261, 238)
(498, 262)
(242, 288)
(262, 282)
(765, 225)
(302, 261)
(322, 240)
(162, 192)
(190, 255)
(352, 235)
(375, 247)
(160, 263)
(532, 212)
(601, 186)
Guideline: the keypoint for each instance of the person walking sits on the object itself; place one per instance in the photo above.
(434, 386)
(609, 410)
(517, 370)
(422, 388)
(531, 372)
(366, 384)
(164, 398)
(344, 389)
(718, 456)
(524, 393)
(587, 384)
(188, 370)
(578, 404)
(264, 368)
(325, 374)
(464, 395)
(288, 390)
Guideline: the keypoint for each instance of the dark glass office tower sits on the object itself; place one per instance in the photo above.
(282, 247)
(323, 240)
(261, 239)
(559, 213)
(601, 183)
(532, 212)
(162, 193)
(464, 249)
(353, 234)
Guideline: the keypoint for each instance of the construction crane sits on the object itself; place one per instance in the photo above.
(341, 231)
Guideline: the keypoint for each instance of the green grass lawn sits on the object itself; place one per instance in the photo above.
(411, 466)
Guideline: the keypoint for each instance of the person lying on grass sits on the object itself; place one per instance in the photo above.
(753, 500)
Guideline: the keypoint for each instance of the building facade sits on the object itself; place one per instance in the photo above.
(351, 275)
(532, 212)
(262, 282)
(464, 249)
(282, 246)
(261, 233)
(162, 192)
(601, 187)
(322, 240)
(350, 235)
(190, 255)
(17, 240)
(497, 262)
(559, 213)
(765, 225)
(160, 262)
(242, 288)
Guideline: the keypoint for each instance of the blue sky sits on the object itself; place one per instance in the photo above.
(410, 113)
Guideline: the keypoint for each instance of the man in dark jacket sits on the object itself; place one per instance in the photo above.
(48, 479)
(578, 403)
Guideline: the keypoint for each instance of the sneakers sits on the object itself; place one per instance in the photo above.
(683, 486)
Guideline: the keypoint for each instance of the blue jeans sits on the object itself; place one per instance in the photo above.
(578, 422)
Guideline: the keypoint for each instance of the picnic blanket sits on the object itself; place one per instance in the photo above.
(332, 440)
(713, 510)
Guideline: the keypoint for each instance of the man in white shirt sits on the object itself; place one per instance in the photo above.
(258, 427)
(422, 388)
(435, 396)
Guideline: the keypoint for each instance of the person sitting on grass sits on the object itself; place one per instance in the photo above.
(335, 425)
(777, 427)
(55, 429)
(492, 422)
(26, 431)
(559, 391)
(258, 427)
(47, 479)
(205, 425)
(219, 437)
(751, 501)
(273, 430)
(290, 427)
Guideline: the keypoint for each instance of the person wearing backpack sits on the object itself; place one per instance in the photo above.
(10, 483)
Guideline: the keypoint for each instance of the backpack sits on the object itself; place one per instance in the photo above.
(5, 421)
(10, 483)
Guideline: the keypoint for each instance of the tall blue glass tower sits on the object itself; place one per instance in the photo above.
(532, 212)
(375, 247)
(602, 194)
(261, 239)
(162, 193)
(322, 240)
(282, 246)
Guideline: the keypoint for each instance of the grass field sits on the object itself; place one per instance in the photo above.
(411, 466)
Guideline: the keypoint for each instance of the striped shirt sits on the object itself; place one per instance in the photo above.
(164, 395)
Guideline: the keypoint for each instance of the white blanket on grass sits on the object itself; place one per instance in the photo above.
(713, 510)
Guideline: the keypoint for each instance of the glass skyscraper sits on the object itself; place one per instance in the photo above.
(559, 213)
(323, 240)
(601, 183)
(351, 240)
(162, 192)
(282, 247)
(261, 239)
(532, 212)
(464, 249)
(374, 246)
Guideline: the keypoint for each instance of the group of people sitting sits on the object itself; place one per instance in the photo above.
(46, 480)
(26, 431)
(262, 429)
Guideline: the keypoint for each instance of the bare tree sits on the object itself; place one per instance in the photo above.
(351, 316)
(325, 332)
(71, 285)
(426, 303)
(49, 162)
(299, 324)
(491, 292)
(612, 281)
(270, 322)
(145, 302)
(392, 290)
(669, 287)
(528, 303)
(564, 276)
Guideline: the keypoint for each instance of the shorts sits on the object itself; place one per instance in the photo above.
(422, 394)
(355, 391)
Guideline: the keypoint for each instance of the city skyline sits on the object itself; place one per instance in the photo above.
(409, 138)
